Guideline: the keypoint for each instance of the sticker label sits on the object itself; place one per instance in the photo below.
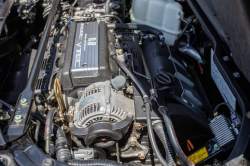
(221, 84)
(199, 155)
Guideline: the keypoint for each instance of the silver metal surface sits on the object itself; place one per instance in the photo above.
(223, 130)
(85, 55)
(99, 102)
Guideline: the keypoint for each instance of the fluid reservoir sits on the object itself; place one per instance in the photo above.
(164, 15)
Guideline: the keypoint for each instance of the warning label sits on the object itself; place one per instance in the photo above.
(199, 155)
(221, 84)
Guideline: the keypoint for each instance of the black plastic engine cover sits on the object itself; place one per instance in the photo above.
(170, 75)
(86, 58)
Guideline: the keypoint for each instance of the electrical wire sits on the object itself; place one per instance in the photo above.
(224, 103)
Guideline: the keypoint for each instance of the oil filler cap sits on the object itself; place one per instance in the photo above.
(118, 82)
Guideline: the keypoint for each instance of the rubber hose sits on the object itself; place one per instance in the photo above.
(46, 99)
(42, 120)
(104, 144)
(37, 130)
(163, 136)
(99, 154)
(48, 127)
(144, 28)
(62, 147)
(148, 113)
(110, 15)
(94, 162)
(107, 6)
(171, 133)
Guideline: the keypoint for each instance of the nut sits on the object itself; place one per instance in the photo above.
(120, 52)
(132, 143)
(18, 118)
(24, 101)
(142, 156)
(138, 126)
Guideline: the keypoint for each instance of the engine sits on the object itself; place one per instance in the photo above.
(117, 82)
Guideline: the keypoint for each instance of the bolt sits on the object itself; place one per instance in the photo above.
(226, 58)
(120, 52)
(138, 126)
(71, 124)
(142, 156)
(216, 147)
(24, 101)
(89, 153)
(18, 118)
(132, 143)
(48, 162)
(236, 74)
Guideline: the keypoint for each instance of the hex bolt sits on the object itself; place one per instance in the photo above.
(236, 74)
(132, 143)
(138, 126)
(89, 153)
(24, 101)
(142, 156)
(226, 58)
(18, 118)
(216, 147)
(48, 162)
(71, 124)
(120, 52)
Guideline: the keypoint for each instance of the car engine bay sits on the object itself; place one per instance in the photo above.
(117, 82)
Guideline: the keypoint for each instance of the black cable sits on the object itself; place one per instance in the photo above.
(224, 103)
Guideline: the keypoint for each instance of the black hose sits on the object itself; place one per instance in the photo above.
(38, 124)
(104, 144)
(107, 6)
(144, 28)
(48, 127)
(99, 154)
(171, 133)
(62, 147)
(147, 108)
(163, 136)
(46, 99)
(42, 120)
(94, 162)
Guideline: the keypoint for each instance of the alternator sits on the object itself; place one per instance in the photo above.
(102, 111)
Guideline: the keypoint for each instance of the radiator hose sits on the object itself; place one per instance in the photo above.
(171, 133)
(94, 162)
(161, 132)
